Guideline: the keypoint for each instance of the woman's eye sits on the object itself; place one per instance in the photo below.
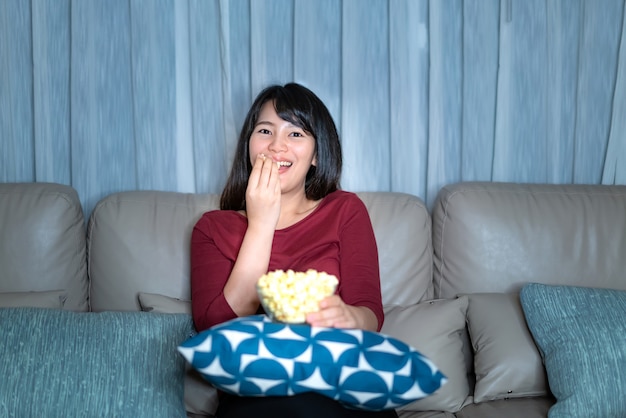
(297, 134)
(264, 131)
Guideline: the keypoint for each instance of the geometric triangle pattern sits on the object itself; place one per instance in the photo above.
(255, 356)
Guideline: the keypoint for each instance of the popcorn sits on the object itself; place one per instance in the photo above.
(289, 296)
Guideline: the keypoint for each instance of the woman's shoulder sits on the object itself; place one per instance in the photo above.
(222, 214)
(343, 197)
(219, 217)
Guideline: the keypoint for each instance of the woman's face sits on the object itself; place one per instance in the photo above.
(288, 145)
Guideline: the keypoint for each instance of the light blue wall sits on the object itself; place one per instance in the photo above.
(111, 95)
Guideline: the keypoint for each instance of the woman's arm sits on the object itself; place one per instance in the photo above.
(263, 210)
(358, 304)
(210, 268)
(221, 248)
(222, 288)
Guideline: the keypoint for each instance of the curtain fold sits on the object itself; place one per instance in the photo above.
(615, 160)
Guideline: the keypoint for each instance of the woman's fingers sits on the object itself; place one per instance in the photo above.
(264, 173)
(263, 192)
(255, 174)
(333, 313)
(269, 174)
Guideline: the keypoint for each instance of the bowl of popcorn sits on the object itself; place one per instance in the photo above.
(288, 296)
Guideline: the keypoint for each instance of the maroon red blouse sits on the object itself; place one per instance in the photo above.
(337, 237)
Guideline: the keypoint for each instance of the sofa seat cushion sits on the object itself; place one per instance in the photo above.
(154, 302)
(255, 356)
(581, 334)
(437, 329)
(113, 364)
(424, 414)
(533, 407)
(507, 363)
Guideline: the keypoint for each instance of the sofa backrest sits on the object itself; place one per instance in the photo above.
(495, 237)
(402, 226)
(139, 242)
(42, 243)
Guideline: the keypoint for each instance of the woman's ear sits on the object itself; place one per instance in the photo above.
(314, 162)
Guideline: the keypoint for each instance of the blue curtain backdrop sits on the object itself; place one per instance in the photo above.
(112, 95)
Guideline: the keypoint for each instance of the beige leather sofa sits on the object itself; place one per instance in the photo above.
(450, 276)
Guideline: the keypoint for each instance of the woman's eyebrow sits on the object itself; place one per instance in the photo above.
(290, 125)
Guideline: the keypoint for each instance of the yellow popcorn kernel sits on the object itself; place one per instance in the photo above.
(289, 296)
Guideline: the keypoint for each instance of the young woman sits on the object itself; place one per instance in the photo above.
(282, 208)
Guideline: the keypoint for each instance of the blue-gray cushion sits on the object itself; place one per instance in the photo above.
(581, 335)
(58, 363)
(254, 356)
(201, 398)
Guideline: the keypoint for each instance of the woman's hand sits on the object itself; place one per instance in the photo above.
(262, 210)
(335, 313)
(263, 193)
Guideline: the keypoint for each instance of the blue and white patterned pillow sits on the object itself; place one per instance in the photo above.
(253, 356)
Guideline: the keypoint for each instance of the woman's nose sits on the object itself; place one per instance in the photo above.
(278, 144)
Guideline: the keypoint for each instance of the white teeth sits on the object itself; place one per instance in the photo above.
(283, 163)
